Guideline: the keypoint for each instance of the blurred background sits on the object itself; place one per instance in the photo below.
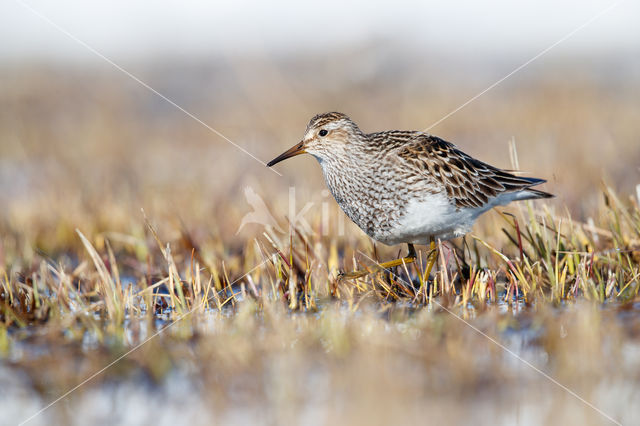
(79, 137)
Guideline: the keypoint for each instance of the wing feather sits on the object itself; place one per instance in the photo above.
(468, 181)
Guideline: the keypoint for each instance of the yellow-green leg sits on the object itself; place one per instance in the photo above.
(431, 260)
(409, 258)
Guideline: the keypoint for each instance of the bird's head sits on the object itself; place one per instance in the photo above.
(328, 136)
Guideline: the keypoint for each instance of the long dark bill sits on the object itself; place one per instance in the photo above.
(291, 152)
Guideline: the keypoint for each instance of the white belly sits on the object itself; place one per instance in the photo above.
(434, 217)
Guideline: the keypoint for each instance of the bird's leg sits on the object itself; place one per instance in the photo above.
(433, 255)
(409, 258)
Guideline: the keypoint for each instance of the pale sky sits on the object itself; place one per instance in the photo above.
(125, 29)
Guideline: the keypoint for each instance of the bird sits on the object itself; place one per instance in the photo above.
(406, 187)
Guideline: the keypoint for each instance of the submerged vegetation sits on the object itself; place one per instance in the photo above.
(179, 311)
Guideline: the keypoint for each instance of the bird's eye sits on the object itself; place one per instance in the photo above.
(322, 132)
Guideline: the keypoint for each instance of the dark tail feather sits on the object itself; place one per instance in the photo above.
(521, 186)
(533, 181)
(534, 194)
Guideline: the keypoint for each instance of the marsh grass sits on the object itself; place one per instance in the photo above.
(545, 258)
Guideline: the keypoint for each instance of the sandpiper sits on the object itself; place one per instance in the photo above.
(406, 186)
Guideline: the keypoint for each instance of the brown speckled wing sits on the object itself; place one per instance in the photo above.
(469, 182)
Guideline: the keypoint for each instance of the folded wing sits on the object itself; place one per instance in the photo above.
(469, 182)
